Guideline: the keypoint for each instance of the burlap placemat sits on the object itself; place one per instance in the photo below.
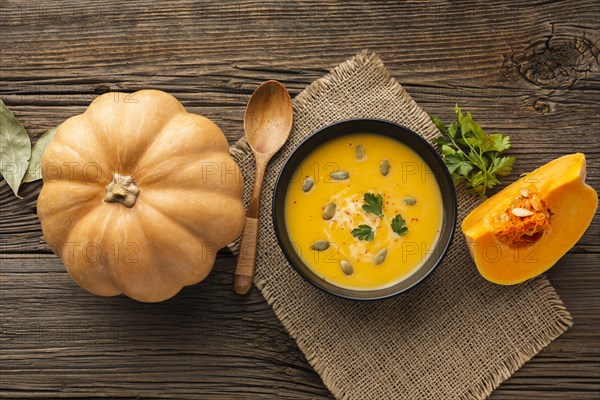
(454, 336)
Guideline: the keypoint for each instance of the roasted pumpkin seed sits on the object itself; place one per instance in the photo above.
(384, 167)
(320, 245)
(308, 184)
(346, 267)
(329, 211)
(340, 175)
(409, 201)
(379, 257)
(360, 152)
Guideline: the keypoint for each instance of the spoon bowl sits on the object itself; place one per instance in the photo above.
(268, 118)
(267, 126)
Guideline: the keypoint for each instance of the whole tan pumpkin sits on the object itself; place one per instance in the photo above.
(139, 195)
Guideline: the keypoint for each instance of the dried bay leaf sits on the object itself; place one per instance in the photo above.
(15, 149)
(34, 170)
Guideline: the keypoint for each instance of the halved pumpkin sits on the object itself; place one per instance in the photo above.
(527, 227)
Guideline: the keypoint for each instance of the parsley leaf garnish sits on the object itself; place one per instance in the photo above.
(399, 225)
(373, 204)
(363, 232)
(471, 155)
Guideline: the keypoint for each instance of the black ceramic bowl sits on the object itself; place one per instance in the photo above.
(389, 129)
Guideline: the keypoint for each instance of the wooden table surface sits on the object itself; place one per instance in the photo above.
(530, 71)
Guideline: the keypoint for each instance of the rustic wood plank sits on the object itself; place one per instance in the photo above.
(558, 371)
(58, 339)
(529, 70)
(208, 341)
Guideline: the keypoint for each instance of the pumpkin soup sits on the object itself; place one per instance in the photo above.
(363, 211)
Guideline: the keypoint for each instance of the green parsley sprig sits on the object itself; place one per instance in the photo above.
(399, 225)
(373, 204)
(363, 232)
(471, 155)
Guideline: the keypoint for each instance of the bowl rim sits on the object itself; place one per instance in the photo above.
(442, 253)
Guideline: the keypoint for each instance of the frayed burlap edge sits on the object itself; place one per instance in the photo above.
(509, 366)
(487, 385)
(240, 150)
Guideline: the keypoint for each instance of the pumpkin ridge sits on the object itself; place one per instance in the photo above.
(176, 221)
(200, 182)
(135, 99)
(89, 203)
(74, 145)
(77, 206)
(121, 269)
(197, 227)
(215, 146)
(69, 176)
(166, 122)
(148, 145)
(159, 254)
(82, 185)
(103, 262)
(141, 176)
(162, 255)
(199, 190)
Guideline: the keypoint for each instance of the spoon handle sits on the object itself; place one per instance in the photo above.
(246, 261)
(244, 268)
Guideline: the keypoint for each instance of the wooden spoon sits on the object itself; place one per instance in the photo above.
(267, 126)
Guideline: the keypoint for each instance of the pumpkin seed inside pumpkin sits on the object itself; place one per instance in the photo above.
(320, 245)
(521, 212)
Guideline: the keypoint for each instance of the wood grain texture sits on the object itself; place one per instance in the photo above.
(531, 71)
(207, 341)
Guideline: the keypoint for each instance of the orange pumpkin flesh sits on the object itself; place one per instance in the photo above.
(139, 195)
(559, 206)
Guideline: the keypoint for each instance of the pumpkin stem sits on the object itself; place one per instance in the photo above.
(122, 189)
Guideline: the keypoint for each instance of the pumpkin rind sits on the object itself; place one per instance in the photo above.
(189, 202)
(572, 203)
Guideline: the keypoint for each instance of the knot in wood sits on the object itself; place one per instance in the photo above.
(542, 107)
(558, 62)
